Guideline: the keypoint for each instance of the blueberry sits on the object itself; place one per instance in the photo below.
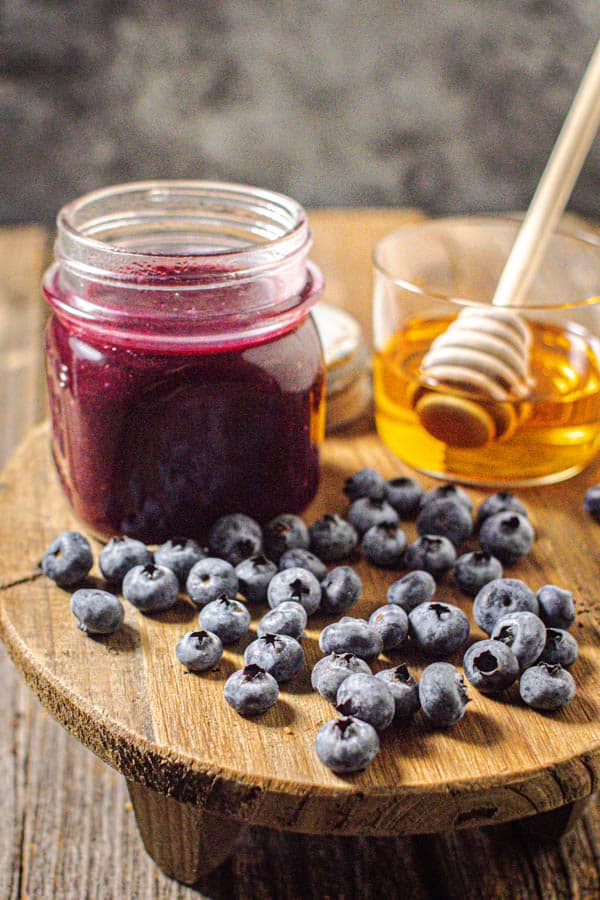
(438, 629)
(68, 559)
(340, 590)
(366, 483)
(364, 513)
(251, 691)
(560, 648)
(507, 535)
(445, 492)
(392, 624)
(285, 532)
(120, 555)
(199, 650)
(384, 545)
(280, 655)
(329, 672)
(368, 699)
(591, 502)
(332, 538)
(151, 588)
(209, 579)
(254, 575)
(524, 633)
(287, 618)
(235, 537)
(351, 635)
(346, 745)
(472, 570)
(404, 495)
(490, 666)
(433, 553)
(499, 502)
(416, 587)
(501, 597)
(449, 518)
(546, 687)
(557, 609)
(228, 619)
(303, 559)
(179, 555)
(298, 585)
(442, 694)
(403, 688)
(97, 612)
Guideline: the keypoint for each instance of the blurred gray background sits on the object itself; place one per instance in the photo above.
(452, 105)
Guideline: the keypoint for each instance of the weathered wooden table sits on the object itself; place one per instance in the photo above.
(68, 828)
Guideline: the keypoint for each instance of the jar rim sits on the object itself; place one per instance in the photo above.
(277, 223)
(579, 236)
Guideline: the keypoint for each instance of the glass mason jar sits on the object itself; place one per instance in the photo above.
(487, 405)
(185, 373)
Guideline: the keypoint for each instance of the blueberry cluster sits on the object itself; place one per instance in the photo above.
(284, 566)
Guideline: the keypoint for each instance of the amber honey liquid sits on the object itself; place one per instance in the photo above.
(553, 433)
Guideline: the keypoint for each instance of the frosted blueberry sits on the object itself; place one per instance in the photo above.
(561, 648)
(507, 535)
(391, 622)
(365, 483)
(287, 618)
(438, 629)
(332, 538)
(151, 588)
(254, 575)
(285, 532)
(209, 579)
(364, 513)
(546, 687)
(367, 698)
(228, 619)
(433, 553)
(351, 635)
(97, 612)
(404, 495)
(346, 745)
(499, 598)
(329, 672)
(120, 555)
(442, 694)
(472, 570)
(490, 666)
(303, 559)
(68, 559)
(416, 587)
(499, 502)
(384, 545)
(298, 585)
(524, 633)
(404, 689)
(199, 650)
(447, 517)
(280, 655)
(179, 555)
(251, 691)
(340, 590)
(235, 537)
(445, 492)
(557, 609)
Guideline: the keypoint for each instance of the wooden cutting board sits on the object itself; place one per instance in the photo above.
(129, 700)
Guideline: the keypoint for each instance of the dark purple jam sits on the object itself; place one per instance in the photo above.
(153, 444)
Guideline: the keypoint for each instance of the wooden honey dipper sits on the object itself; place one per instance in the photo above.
(485, 351)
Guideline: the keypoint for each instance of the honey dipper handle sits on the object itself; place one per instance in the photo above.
(554, 189)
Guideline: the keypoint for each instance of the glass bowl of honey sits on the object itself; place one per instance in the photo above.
(465, 420)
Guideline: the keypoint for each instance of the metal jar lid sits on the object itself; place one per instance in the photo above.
(347, 364)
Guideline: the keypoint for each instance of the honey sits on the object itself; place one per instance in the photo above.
(549, 435)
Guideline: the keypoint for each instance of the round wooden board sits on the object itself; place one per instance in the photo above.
(128, 699)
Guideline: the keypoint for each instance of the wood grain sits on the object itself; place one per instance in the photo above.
(68, 829)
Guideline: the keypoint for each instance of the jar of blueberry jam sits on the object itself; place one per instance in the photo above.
(185, 372)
